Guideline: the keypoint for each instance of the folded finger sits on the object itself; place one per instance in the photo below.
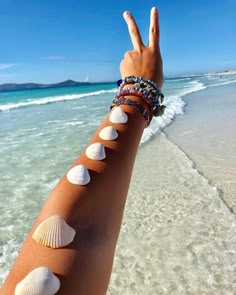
(133, 31)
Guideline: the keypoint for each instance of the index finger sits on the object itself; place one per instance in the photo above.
(133, 31)
(154, 30)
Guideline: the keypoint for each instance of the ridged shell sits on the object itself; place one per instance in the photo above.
(40, 281)
(54, 232)
(96, 151)
(78, 175)
(108, 133)
(118, 116)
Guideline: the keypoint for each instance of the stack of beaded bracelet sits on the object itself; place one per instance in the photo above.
(138, 106)
(144, 88)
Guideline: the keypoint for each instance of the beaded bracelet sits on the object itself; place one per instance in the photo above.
(141, 87)
(147, 90)
(138, 106)
(144, 88)
(135, 92)
(156, 112)
(142, 81)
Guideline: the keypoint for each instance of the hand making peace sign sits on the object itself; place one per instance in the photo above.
(144, 61)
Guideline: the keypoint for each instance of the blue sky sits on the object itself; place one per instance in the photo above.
(50, 41)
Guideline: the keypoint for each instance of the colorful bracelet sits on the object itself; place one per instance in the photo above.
(145, 89)
(143, 82)
(128, 101)
(136, 92)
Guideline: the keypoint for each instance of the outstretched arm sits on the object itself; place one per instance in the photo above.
(94, 209)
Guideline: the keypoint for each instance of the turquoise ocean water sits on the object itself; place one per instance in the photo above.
(43, 131)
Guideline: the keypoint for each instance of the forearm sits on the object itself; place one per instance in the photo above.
(95, 211)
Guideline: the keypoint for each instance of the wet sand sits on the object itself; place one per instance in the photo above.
(178, 232)
(207, 134)
(178, 236)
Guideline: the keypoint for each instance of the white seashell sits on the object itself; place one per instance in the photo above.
(118, 116)
(108, 133)
(78, 175)
(96, 151)
(54, 232)
(39, 281)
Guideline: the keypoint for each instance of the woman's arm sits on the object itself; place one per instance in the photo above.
(94, 210)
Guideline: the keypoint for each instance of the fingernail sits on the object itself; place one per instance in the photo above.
(126, 13)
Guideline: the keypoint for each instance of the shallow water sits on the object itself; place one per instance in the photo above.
(177, 237)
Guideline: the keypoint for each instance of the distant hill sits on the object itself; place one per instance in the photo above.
(24, 86)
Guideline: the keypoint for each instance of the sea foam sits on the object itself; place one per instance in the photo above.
(52, 99)
(174, 106)
(223, 83)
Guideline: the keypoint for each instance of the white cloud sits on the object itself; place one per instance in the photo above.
(6, 66)
(54, 57)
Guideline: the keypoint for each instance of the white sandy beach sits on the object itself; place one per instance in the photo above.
(207, 133)
(178, 234)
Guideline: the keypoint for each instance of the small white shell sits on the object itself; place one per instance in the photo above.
(78, 175)
(39, 281)
(96, 151)
(108, 133)
(118, 116)
(54, 232)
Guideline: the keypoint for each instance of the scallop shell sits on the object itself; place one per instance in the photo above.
(96, 151)
(118, 116)
(108, 133)
(78, 175)
(54, 232)
(39, 281)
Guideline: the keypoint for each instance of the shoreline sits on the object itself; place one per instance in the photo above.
(207, 137)
(177, 233)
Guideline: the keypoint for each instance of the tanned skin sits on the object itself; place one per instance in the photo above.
(95, 211)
